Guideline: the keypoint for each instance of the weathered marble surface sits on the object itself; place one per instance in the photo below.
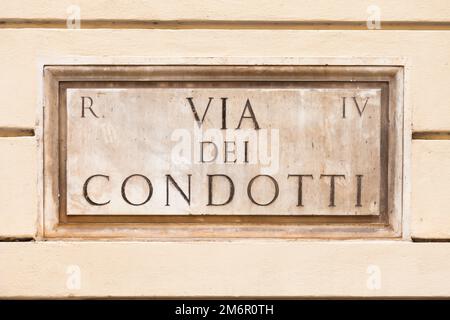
(153, 132)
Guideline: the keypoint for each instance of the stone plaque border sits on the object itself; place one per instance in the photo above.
(57, 224)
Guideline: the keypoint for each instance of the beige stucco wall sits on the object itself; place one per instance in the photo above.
(416, 35)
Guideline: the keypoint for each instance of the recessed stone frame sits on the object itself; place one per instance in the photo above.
(57, 224)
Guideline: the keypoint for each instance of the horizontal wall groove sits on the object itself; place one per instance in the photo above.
(419, 135)
(222, 24)
(431, 135)
(419, 239)
(16, 132)
(17, 239)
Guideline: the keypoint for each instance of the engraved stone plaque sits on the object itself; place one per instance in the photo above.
(271, 136)
(232, 151)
